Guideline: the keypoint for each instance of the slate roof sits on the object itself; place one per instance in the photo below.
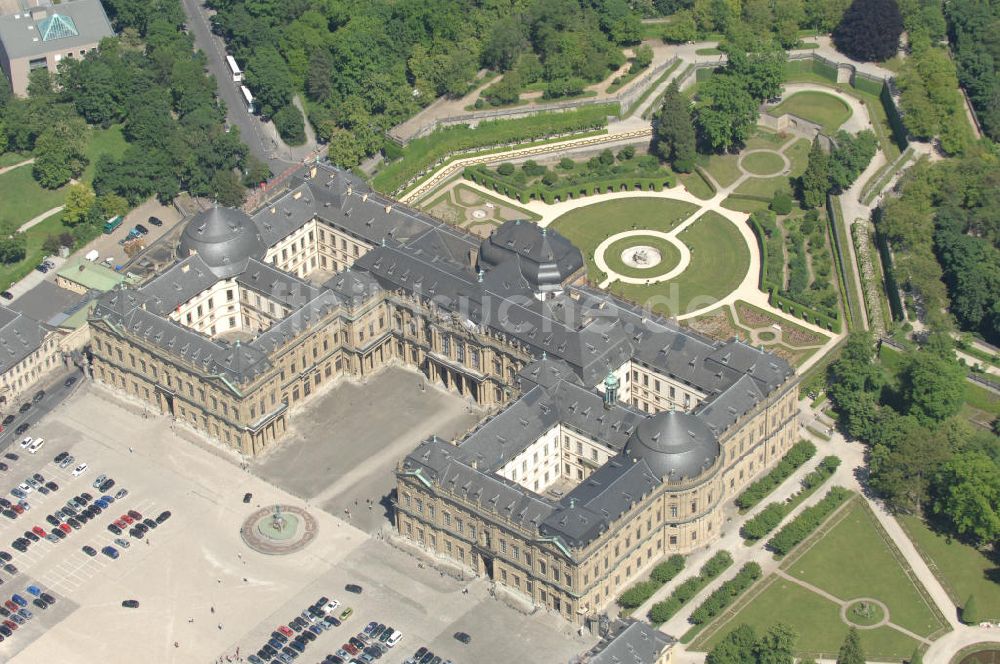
(20, 336)
(634, 642)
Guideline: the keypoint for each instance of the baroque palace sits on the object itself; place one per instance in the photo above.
(616, 436)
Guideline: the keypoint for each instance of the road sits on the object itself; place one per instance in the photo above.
(56, 392)
(251, 130)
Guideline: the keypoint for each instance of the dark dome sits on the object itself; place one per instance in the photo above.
(675, 444)
(547, 258)
(222, 237)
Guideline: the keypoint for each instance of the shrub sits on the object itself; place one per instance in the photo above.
(643, 58)
(725, 594)
(807, 521)
(505, 168)
(668, 569)
(564, 87)
(549, 178)
(567, 164)
(781, 203)
(768, 518)
(626, 153)
(290, 125)
(662, 611)
(637, 594)
(607, 158)
(799, 453)
(532, 168)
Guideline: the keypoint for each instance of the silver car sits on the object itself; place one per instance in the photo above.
(67, 462)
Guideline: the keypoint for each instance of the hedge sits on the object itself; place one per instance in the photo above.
(725, 594)
(661, 574)
(770, 279)
(423, 153)
(716, 565)
(801, 452)
(768, 518)
(807, 521)
(483, 176)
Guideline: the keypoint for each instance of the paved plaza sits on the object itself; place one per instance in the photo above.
(201, 587)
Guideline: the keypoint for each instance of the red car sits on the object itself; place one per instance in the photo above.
(127, 519)
(349, 647)
(10, 605)
(65, 528)
(17, 508)
(287, 632)
(38, 531)
(10, 624)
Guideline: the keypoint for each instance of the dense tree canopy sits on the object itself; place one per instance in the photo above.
(976, 46)
(870, 30)
(675, 139)
(743, 646)
(366, 65)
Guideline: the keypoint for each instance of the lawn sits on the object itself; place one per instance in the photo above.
(11, 158)
(763, 163)
(822, 108)
(853, 560)
(815, 619)
(798, 155)
(696, 185)
(670, 256)
(103, 141)
(723, 167)
(33, 254)
(765, 138)
(741, 204)
(962, 569)
(588, 226)
(719, 262)
(765, 187)
(24, 199)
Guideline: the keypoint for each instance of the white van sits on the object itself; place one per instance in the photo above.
(35, 446)
(92, 255)
(394, 639)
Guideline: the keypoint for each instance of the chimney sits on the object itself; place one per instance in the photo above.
(472, 258)
(312, 172)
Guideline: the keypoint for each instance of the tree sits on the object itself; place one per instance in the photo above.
(737, 647)
(681, 29)
(776, 645)
(850, 650)
(505, 42)
(288, 121)
(13, 248)
(80, 198)
(675, 133)
(60, 153)
(781, 203)
(643, 57)
(270, 79)
(731, 115)
(870, 30)
(257, 172)
(932, 386)
(968, 489)
(970, 611)
(815, 181)
(319, 84)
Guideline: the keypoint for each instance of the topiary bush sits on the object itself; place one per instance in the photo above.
(290, 125)
(781, 203)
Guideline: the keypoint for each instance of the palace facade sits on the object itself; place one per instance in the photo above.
(617, 437)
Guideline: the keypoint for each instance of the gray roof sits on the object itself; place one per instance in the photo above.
(632, 642)
(546, 259)
(22, 36)
(675, 444)
(223, 238)
(20, 336)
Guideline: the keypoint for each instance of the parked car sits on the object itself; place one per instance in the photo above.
(130, 604)
(51, 486)
(156, 221)
(353, 588)
(121, 494)
(122, 543)
(247, 497)
(21, 428)
(100, 478)
(163, 516)
(142, 229)
(463, 637)
(110, 552)
(7, 295)
(39, 395)
(69, 381)
(89, 550)
(59, 457)
(80, 470)
(105, 485)
(9, 419)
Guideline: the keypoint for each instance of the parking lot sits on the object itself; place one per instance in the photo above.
(344, 451)
(202, 592)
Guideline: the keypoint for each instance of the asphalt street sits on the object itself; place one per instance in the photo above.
(56, 392)
(260, 144)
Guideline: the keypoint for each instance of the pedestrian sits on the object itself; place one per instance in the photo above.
(176, 645)
(220, 626)
(212, 609)
(130, 450)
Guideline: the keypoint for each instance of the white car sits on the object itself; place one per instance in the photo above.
(25, 487)
(35, 446)
(80, 470)
(394, 639)
(27, 441)
(331, 606)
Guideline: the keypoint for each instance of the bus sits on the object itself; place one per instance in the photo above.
(111, 224)
(247, 97)
(234, 69)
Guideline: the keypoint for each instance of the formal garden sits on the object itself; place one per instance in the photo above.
(474, 210)
(847, 574)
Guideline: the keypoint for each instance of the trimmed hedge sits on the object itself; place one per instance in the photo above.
(725, 594)
(799, 453)
(423, 153)
(483, 176)
(807, 521)
(768, 518)
(635, 596)
(716, 565)
(771, 272)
